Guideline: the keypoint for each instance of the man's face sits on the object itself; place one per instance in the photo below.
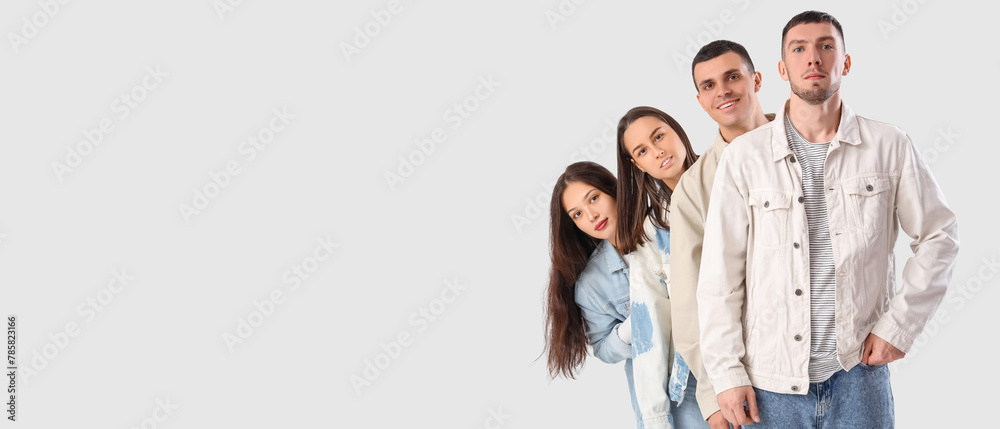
(726, 89)
(814, 61)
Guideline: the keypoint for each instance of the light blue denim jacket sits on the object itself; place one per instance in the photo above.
(602, 292)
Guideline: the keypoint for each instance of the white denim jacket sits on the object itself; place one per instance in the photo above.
(753, 290)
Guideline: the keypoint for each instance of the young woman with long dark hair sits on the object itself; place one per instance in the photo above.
(653, 151)
(588, 293)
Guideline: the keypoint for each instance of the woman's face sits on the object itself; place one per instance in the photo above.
(593, 211)
(656, 149)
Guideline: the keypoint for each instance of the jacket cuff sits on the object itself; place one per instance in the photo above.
(708, 402)
(735, 377)
(617, 347)
(888, 330)
(658, 422)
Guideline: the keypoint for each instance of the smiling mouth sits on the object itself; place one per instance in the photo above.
(602, 224)
(727, 104)
(667, 162)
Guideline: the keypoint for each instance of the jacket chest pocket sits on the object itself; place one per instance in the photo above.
(622, 305)
(770, 211)
(868, 203)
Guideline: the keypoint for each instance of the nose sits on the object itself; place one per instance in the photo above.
(593, 214)
(814, 58)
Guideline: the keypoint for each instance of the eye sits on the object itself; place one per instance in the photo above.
(827, 47)
(594, 198)
(708, 87)
(734, 77)
(658, 137)
(798, 49)
(576, 215)
(642, 151)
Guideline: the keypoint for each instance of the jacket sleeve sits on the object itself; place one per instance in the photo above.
(602, 328)
(651, 344)
(688, 210)
(722, 280)
(924, 216)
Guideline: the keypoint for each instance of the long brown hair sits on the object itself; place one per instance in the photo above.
(639, 194)
(566, 338)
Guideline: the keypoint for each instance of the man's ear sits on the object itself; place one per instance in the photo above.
(782, 71)
(757, 79)
(847, 65)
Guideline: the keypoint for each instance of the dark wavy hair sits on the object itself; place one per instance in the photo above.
(639, 194)
(565, 334)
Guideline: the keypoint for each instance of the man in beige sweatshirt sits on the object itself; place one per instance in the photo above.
(727, 89)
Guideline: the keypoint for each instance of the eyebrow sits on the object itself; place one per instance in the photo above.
(726, 73)
(653, 134)
(585, 197)
(821, 39)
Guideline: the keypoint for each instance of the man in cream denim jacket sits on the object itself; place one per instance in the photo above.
(757, 294)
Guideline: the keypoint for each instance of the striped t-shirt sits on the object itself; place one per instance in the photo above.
(823, 361)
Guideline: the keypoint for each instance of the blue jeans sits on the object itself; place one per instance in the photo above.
(687, 415)
(856, 399)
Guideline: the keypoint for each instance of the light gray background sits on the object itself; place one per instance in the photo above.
(452, 219)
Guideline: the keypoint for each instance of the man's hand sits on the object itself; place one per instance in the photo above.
(877, 352)
(717, 421)
(732, 408)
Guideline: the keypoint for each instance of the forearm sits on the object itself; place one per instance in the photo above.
(925, 216)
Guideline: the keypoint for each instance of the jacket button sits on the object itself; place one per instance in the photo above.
(869, 188)
(798, 338)
(801, 199)
(793, 158)
(796, 245)
(798, 292)
(766, 204)
(795, 388)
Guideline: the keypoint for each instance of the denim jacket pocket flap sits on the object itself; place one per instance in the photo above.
(770, 200)
(868, 186)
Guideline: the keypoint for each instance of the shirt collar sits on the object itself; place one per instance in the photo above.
(612, 260)
(847, 132)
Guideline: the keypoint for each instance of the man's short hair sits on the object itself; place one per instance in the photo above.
(717, 48)
(811, 17)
